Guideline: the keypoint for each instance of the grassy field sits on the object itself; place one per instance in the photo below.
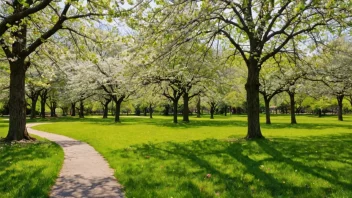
(207, 158)
(28, 169)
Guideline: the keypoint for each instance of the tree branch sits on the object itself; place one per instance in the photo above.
(237, 46)
(11, 20)
(288, 38)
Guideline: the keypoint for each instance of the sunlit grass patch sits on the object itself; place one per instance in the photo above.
(208, 158)
(28, 169)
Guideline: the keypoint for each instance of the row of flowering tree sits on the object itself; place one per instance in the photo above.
(187, 49)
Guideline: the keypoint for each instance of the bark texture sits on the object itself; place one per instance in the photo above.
(118, 102)
(292, 103)
(17, 102)
(53, 106)
(175, 105)
(34, 99)
(252, 88)
(185, 112)
(339, 102)
(73, 109)
(150, 111)
(267, 110)
(106, 107)
(167, 109)
(212, 110)
(43, 98)
(198, 107)
(81, 109)
(18, 68)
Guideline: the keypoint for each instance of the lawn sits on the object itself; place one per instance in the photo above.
(28, 169)
(208, 158)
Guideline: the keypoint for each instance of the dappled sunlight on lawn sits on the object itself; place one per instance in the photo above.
(29, 169)
(264, 168)
(209, 158)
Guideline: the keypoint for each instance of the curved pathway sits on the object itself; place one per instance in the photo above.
(85, 173)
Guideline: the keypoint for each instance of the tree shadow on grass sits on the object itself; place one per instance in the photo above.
(70, 119)
(193, 124)
(237, 123)
(28, 169)
(309, 167)
(312, 154)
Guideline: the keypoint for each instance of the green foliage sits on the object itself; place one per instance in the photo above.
(207, 158)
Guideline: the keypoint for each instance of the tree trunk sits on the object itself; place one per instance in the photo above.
(198, 107)
(339, 102)
(175, 110)
(73, 109)
(53, 109)
(185, 108)
(81, 109)
(292, 103)
(43, 98)
(112, 109)
(64, 111)
(150, 111)
(212, 110)
(252, 88)
(17, 102)
(145, 111)
(137, 110)
(319, 112)
(267, 110)
(225, 108)
(18, 67)
(42, 108)
(166, 110)
(34, 105)
(118, 102)
(117, 109)
(106, 108)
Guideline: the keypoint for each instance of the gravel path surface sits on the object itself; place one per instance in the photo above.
(85, 173)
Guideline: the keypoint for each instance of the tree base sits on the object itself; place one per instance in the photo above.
(257, 137)
(26, 136)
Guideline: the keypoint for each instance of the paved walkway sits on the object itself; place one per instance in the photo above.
(85, 173)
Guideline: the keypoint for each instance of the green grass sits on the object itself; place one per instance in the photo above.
(28, 169)
(156, 158)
